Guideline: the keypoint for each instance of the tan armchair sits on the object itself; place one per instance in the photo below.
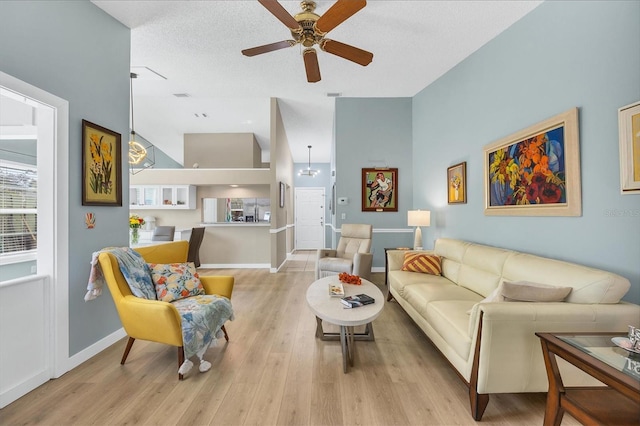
(155, 320)
(353, 254)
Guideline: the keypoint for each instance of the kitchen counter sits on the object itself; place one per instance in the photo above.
(228, 224)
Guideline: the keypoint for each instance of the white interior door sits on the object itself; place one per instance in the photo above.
(38, 349)
(310, 218)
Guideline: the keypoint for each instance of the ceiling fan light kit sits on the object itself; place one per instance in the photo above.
(308, 29)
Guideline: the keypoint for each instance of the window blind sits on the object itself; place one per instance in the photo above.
(18, 208)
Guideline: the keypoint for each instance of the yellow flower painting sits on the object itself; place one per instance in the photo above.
(101, 166)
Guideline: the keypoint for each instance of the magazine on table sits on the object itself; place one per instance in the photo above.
(336, 289)
(357, 300)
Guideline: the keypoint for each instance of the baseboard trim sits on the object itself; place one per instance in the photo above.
(235, 266)
(94, 349)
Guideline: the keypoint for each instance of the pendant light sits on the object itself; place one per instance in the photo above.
(308, 171)
(141, 153)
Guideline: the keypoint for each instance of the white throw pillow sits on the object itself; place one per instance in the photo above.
(494, 296)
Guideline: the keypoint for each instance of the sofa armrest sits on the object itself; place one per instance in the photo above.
(510, 357)
(362, 264)
(220, 285)
(152, 320)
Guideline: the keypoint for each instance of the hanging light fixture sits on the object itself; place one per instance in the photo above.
(308, 171)
(141, 153)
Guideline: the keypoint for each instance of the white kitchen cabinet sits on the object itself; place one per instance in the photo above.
(162, 197)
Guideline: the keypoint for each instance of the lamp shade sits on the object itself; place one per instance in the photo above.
(419, 218)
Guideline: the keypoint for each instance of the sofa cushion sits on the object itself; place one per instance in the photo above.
(399, 280)
(422, 263)
(525, 291)
(450, 320)
(589, 285)
(421, 295)
(175, 281)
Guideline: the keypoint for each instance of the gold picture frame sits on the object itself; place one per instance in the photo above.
(101, 166)
(457, 183)
(536, 171)
(629, 135)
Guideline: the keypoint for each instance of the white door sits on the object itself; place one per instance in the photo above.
(310, 218)
(38, 294)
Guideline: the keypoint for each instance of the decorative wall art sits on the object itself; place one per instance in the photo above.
(380, 190)
(457, 183)
(101, 166)
(536, 171)
(629, 134)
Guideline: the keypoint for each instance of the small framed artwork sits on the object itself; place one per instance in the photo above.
(629, 134)
(380, 190)
(101, 166)
(457, 183)
(536, 171)
(282, 194)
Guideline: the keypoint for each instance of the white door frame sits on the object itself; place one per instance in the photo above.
(53, 222)
(324, 219)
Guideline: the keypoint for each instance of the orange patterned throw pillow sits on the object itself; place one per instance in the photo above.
(423, 263)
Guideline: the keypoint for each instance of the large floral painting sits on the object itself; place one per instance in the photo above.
(629, 134)
(536, 171)
(101, 166)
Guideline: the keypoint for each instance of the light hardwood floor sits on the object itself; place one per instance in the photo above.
(273, 372)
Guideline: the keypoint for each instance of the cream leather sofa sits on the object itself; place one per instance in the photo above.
(492, 345)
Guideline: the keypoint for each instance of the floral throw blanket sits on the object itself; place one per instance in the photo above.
(202, 319)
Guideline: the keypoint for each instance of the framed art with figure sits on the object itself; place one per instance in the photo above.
(101, 166)
(629, 134)
(457, 183)
(536, 171)
(380, 190)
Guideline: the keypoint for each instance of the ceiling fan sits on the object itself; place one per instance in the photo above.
(308, 29)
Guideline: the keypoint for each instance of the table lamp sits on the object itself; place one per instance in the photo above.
(418, 218)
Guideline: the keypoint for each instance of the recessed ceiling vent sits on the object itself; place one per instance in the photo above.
(334, 94)
(181, 95)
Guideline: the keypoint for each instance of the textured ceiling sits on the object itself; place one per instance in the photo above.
(196, 46)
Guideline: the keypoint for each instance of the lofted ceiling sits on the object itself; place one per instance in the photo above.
(193, 48)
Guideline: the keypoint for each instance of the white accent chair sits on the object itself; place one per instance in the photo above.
(353, 254)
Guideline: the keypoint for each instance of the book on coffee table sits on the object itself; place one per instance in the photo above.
(357, 300)
(336, 289)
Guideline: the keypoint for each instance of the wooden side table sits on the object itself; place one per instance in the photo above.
(617, 403)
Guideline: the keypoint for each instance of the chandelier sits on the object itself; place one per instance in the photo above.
(141, 153)
(308, 171)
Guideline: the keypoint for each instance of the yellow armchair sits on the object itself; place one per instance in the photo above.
(155, 320)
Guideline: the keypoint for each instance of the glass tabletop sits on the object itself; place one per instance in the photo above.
(604, 349)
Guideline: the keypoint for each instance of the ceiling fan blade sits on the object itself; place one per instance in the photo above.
(268, 48)
(281, 13)
(311, 65)
(346, 51)
(338, 13)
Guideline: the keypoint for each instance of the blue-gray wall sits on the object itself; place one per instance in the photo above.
(20, 150)
(373, 132)
(77, 52)
(559, 56)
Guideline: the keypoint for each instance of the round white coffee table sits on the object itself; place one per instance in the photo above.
(330, 309)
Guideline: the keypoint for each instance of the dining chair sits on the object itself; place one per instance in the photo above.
(163, 233)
